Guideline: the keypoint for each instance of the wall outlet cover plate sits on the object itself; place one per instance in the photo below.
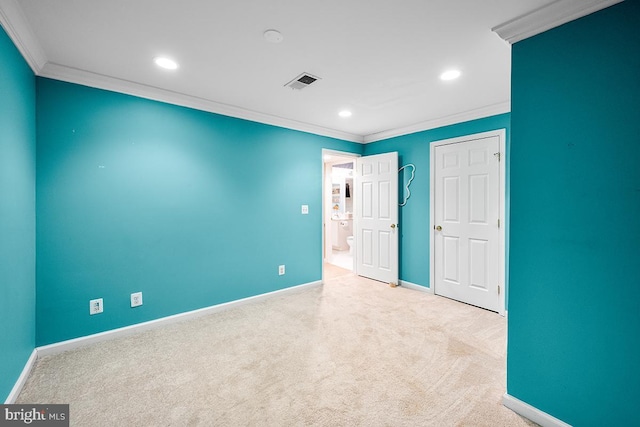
(96, 306)
(136, 299)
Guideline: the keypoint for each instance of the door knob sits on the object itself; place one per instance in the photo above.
(393, 226)
(438, 228)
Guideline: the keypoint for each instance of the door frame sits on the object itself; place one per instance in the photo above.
(502, 271)
(323, 219)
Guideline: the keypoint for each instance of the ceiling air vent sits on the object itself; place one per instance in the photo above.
(302, 81)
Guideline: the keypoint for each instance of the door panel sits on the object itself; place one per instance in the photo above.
(479, 198)
(451, 198)
(466, 207)
(384, 240)
(478, 261)
(384, 197)
(366, 243)
(377, 217)
(451, 260)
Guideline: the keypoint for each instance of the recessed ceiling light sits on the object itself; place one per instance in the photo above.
(450, 75)
(273, 36)
(165, 63)
(345, 113)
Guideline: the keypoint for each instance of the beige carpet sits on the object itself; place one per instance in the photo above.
(353, 352)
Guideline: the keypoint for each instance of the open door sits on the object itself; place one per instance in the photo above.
(376, 212)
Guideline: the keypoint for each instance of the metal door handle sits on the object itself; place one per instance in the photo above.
(438, 228)
(393, 226)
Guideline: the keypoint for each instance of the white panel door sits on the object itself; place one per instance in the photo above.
(376, 237)
(466, 229)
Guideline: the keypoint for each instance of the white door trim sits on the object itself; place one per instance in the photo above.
(501, 134)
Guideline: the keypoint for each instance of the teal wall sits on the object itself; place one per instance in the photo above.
(574, 311)
(191, 208)
(414, 216)
(17, 213)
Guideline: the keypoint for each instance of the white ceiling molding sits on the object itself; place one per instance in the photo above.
(87, 78)
(14, 21)
(17, 27)
(547, 17)
(15, 24)
(479, 113)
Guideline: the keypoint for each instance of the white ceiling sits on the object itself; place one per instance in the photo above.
(379, 58)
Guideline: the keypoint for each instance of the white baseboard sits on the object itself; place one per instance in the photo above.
(128, 330)
(415, 287)
(59, 347)
(532, 413)
(17, 387)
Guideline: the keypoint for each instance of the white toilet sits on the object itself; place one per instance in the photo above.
(350, 243)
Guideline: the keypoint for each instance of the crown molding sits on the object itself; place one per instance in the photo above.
(15, 24)
(478, 113)
(88, 78)
(547, 17)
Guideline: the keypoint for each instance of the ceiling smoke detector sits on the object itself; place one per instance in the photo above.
(273, 36)
(302, 81)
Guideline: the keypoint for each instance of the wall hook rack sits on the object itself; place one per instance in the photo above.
(413, 175)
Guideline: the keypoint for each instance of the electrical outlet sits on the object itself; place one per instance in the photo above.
(136, 299)
(305, 209)
(95, 306)
(281, 270)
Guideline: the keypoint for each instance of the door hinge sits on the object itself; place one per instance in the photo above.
(498, 289)
(498, 155)
(498, 222)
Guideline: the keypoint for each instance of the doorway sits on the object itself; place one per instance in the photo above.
(338, 203)
(360, 232)
(467, 233)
